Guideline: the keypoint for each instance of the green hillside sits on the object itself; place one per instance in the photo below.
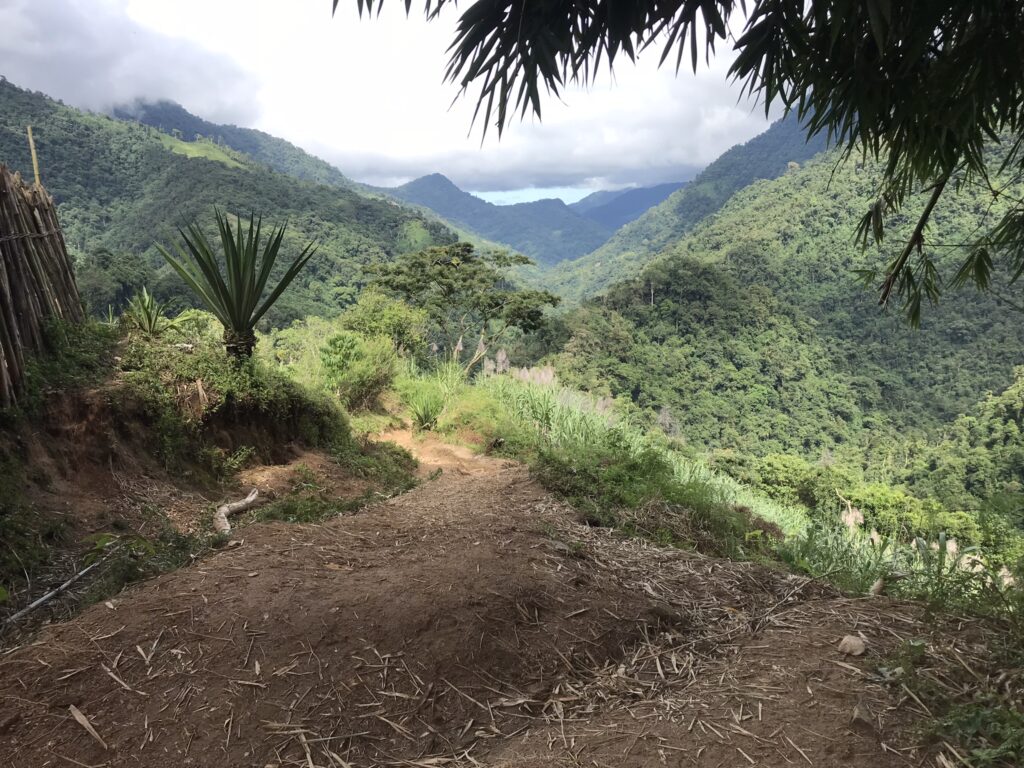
(618, 208)
(122, 187)
(633, 246)
(752, 335)
(275, 153)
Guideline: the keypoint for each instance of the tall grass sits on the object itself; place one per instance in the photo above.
(575, 422)
(427, 393)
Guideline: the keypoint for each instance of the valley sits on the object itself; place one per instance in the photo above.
(721, 469)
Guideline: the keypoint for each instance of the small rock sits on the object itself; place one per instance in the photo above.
(862, 721)
(851, 645)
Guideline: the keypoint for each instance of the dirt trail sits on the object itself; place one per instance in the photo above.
(471, 621)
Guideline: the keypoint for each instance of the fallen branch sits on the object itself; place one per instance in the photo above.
(54, 592)
(220, 517)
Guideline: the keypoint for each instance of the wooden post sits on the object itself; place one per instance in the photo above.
(35, 157)
(37, 283)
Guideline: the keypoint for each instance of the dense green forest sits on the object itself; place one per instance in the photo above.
(753, 338)
(122, 187)
(275, 153)
(545, 230)
(634, 245)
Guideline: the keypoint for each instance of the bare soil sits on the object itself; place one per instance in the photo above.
(471, 621)
(91, 470)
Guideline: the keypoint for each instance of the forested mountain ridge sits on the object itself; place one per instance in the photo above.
(122, 187)
(753, 335)
(633, 246)
(276, 153)
(617, 208)
(545, 230)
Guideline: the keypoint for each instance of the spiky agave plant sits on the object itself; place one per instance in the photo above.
(146, 314)
(234, 294)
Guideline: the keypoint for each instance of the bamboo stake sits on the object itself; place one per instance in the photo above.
(37, 282)
(35, 157)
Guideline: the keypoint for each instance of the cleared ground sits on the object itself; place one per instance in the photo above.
(472, 621)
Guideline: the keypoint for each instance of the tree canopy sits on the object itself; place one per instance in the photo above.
(466, 295)
(926, 86)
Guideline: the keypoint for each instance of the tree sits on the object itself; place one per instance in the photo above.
(925, 86)
(375, 314)
(466, 295)
(236, 299)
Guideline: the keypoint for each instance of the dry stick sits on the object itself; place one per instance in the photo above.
(53, 593)
(35, 157)
(220, 517)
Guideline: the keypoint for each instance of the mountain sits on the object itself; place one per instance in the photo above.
(618, 208)
(275, 153)
(767, 156)
(596, 200)
(174, 120)
(548, 231)
(122, 187)
(753, 334)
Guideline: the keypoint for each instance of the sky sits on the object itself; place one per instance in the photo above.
(369, 94)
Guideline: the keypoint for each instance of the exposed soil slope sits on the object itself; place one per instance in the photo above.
(472, 621)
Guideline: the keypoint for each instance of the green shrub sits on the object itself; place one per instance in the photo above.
(1001, 524)
(183, 391)
(784, 477)
(548, 416)
(358, 370)
(375, 315)
(196, 326)
(146, 315)
(992, 727)
(425, 407)
(77, 356)
(131, 557)
(849, 559)
(641, 493)
(27, 537)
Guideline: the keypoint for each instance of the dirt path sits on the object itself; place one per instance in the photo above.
(471, 621)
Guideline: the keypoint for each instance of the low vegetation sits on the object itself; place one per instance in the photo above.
(176, 403)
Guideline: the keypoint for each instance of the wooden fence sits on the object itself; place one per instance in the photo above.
(36, 281)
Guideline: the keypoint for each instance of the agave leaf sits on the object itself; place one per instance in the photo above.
(199, 286)
(233, 292)
(293, 270)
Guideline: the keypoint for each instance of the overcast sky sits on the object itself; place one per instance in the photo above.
(368, 95)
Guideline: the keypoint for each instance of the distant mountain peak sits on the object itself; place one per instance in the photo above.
(434, 181)
(546, 230)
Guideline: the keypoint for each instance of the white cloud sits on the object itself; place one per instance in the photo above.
(90, 54)
(368, 94)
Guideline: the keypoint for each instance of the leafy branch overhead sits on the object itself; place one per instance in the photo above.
(925, 86)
